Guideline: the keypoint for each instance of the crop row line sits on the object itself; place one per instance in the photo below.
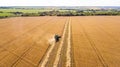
(100, 57)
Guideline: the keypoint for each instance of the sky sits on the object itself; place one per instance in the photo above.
(59, 2)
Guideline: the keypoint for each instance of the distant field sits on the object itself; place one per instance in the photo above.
(6, 15)
(86, 41)
(9, 12)
(24, 10)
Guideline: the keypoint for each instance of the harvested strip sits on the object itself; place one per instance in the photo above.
(68, 54)
(60, 47)
(48, 54)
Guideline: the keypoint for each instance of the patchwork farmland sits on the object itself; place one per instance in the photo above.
(86, 41)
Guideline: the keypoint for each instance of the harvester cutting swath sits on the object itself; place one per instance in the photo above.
(60, 45)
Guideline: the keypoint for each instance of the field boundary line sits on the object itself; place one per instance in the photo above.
(57, 58)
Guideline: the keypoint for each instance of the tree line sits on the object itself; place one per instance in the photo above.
(69, 13)
(72, 13)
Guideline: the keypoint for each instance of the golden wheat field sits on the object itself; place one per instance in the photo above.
(86, 41)
(23, 41)
(96, 41)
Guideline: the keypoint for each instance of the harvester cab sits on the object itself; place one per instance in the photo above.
(57, 37)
